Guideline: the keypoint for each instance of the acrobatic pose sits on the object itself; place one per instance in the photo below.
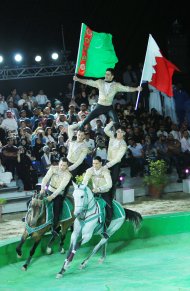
(77, 152)
(116, 150)
(107, 90)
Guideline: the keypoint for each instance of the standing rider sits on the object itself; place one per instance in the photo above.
(116, 150)
(107, 90)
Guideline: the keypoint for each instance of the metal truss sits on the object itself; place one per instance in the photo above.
(37, 71)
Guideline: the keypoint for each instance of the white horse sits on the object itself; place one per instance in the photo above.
(89, 221)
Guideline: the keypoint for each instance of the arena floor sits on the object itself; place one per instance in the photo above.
(159, 263)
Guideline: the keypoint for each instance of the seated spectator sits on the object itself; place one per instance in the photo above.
(3, 105)
(41, 98)
(149, 149)
(62, 120)
(24, 167)
(13, 97)
(175, 156)
(83, 111)
(48, 135)
(93, 96)
(25, 99)
(72, 116)
(62, 150)
(37, 152)
(162, 131)
(136, 159)
(99, 129)
(5, 177)
(49, 104)
(101, 148)
(175, 131)
(13, 110)
(9, 123)
(46, 159)
(9, 156)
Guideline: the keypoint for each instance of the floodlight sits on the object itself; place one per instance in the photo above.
(18, 58)
(38, 58)
(55, 56)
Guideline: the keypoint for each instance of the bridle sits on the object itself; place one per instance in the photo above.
(85, 206)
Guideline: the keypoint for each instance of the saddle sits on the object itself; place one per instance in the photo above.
(65, 215)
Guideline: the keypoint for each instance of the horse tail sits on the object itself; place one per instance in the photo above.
(134, 217)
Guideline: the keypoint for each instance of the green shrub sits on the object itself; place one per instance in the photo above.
(157, 175)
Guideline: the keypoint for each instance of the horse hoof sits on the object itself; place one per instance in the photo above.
(101, 260)
(59, 276)
(62, 251)
(82, 266)
(48, 251)
(24, 268)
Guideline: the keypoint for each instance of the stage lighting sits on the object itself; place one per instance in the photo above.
(121, 179)
(38, 58)
(1, 59)
(18, 58)
(55, 56)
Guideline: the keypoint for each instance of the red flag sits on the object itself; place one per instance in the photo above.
(158, 71)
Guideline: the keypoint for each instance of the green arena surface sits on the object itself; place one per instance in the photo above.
(157, 257)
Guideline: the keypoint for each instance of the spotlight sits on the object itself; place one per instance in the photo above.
(38, 58)
(121, 179)
(1, 59)
(18, 58)
(55, 56)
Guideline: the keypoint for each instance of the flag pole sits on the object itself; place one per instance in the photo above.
(72, 97)
(138, 96)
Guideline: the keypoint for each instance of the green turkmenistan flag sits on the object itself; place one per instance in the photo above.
(95, 54)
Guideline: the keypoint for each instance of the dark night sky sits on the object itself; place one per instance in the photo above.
(35, 26)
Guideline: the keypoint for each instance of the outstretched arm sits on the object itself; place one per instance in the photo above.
(87, 82)
(122, 88)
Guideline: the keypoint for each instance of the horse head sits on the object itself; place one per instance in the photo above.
(82, 197)
(36, 210)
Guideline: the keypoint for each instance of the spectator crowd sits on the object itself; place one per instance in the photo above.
(34, 133)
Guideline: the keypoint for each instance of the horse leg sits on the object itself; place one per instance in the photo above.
(50, 243)
(102, 242)
(64, 227)
(32, 251)
(102, 259)
(19, 247)
(74, 245)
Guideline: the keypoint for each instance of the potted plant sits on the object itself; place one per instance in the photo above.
(2, 201)
(156, 178)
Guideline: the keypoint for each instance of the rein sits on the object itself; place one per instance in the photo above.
(92, 216)
(30, 229)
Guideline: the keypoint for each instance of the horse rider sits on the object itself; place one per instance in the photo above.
(77, 150)
(102, 183)
(117, 148)
(107, 91)
(57, 178)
